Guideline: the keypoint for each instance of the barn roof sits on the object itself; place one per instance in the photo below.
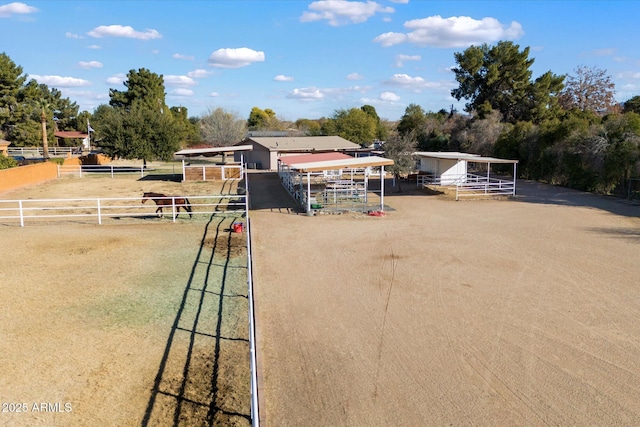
(453, 155)
(68, 134)
(212, 151)
(319, 157)
(304, 143)
(318, 163)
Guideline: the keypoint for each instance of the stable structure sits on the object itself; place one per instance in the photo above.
(209, 164)
(74, 135)
(470, 174)
(267, 150)
(332, 182)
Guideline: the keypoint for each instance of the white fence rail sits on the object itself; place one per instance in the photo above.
(101, 208)
(38, 151)
(471, 185)
(100, 169)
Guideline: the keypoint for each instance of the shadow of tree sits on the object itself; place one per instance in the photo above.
(203, 377)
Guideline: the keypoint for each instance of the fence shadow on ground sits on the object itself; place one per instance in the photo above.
(171, 177)
(203, 377)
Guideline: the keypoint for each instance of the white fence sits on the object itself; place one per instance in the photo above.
(39, 152)
(471, 185)
(103, 208)
(101, 169)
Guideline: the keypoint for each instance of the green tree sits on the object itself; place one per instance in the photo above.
(142, 86)
(137, 124)
(354, 125)
(412, 121)
(186, 126)
(632, 105)
(309, 127)
(381, 130)
(499, 78)
(220, 128)
(11, 80)
(7, 162)
(263, 119)
(400, 148)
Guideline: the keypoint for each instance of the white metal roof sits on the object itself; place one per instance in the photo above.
(353, 162)
(212, 150)
(452, 155)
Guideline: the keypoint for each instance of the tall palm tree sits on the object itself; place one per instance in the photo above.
(44, 106)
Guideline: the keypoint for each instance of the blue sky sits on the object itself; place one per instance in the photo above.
(306, 59)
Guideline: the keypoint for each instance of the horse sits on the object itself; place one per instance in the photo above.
(162, 200)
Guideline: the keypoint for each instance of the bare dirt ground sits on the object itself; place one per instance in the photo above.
(493, 312)
(138, 321)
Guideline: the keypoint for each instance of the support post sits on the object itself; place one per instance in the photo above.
(381, 188)
(173, 208)
(308, 191)
(99, 212)
(21, 213)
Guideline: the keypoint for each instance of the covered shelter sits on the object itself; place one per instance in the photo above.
(470, 174)
(73, 135)
(332, 181)
(268, 149)
(210, 163)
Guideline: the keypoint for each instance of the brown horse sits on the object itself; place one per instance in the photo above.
(162, 200)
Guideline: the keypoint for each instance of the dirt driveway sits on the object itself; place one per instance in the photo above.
(493, 312)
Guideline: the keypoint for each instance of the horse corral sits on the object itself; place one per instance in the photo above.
(124, 323)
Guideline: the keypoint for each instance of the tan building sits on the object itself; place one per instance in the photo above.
(267, 150)
(4, 147)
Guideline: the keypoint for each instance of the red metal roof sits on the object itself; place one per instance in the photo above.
(311, 158)
(70, 134)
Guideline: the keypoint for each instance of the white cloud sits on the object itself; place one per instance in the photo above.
(355, 76)
(171, 80)
(59, 81)
(90, 64)
(400, 59)
(16, 8)
(94, 46)
(389, 96)
(417, 83)
(456, 31)
(70, 35)
(283, 78)
(181, 92)
(185, 57)
(384, 98)
(390, 39)
(306, 94)
(400, 1)
(214, 94)
(603, 52)
(235, 58)
(341, 12)
(123, 31)
(117, 79)
(198, 74)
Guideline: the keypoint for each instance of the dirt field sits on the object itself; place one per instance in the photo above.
(494, 312)
(133, 322)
